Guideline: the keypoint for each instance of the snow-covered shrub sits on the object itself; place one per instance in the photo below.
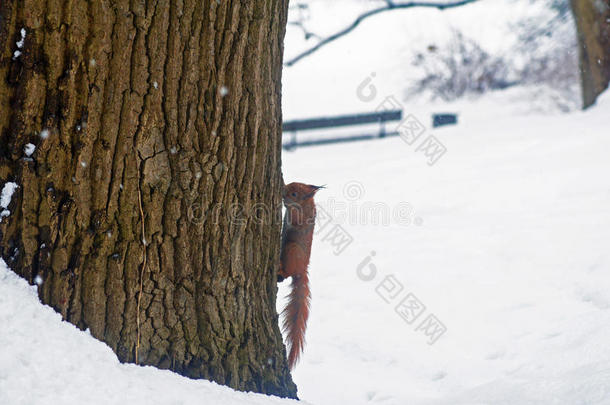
(459, 68)
(543, 57)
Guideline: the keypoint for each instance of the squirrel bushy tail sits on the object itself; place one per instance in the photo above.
(297, 234)
(295, 317)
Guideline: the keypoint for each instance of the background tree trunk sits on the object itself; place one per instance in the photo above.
(137, 211)
(593, 26)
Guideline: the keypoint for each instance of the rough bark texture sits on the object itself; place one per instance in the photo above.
(593, 25)
(162, 117)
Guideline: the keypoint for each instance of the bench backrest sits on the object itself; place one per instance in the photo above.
(342, 120)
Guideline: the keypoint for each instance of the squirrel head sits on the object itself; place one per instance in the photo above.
(299, 192)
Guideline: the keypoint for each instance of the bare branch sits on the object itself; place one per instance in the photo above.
(390, 5)
(306, 33)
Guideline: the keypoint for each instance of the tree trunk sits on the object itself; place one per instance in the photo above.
(593, 26)
(149, 210)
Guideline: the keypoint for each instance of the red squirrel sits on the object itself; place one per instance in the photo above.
(297, 235)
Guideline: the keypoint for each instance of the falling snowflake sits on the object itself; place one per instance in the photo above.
(28, 149)
(22, 40)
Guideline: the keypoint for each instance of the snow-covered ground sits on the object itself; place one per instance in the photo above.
(507, 247)
(504, 240)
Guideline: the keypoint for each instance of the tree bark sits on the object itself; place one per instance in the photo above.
(157, 129)
(593, 26)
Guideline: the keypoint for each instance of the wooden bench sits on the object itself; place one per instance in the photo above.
(439, 120)
(290, 128)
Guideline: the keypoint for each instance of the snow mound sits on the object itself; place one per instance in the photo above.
(47, 361)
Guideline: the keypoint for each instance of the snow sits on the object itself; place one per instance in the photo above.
(29, 149)
(507, 243)
(22, 40)
(48, 361)
(7, 193)
(381, 48)
(502, 243)
(44, 134)
(19, 44)
(511, 258)
(5, 198)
